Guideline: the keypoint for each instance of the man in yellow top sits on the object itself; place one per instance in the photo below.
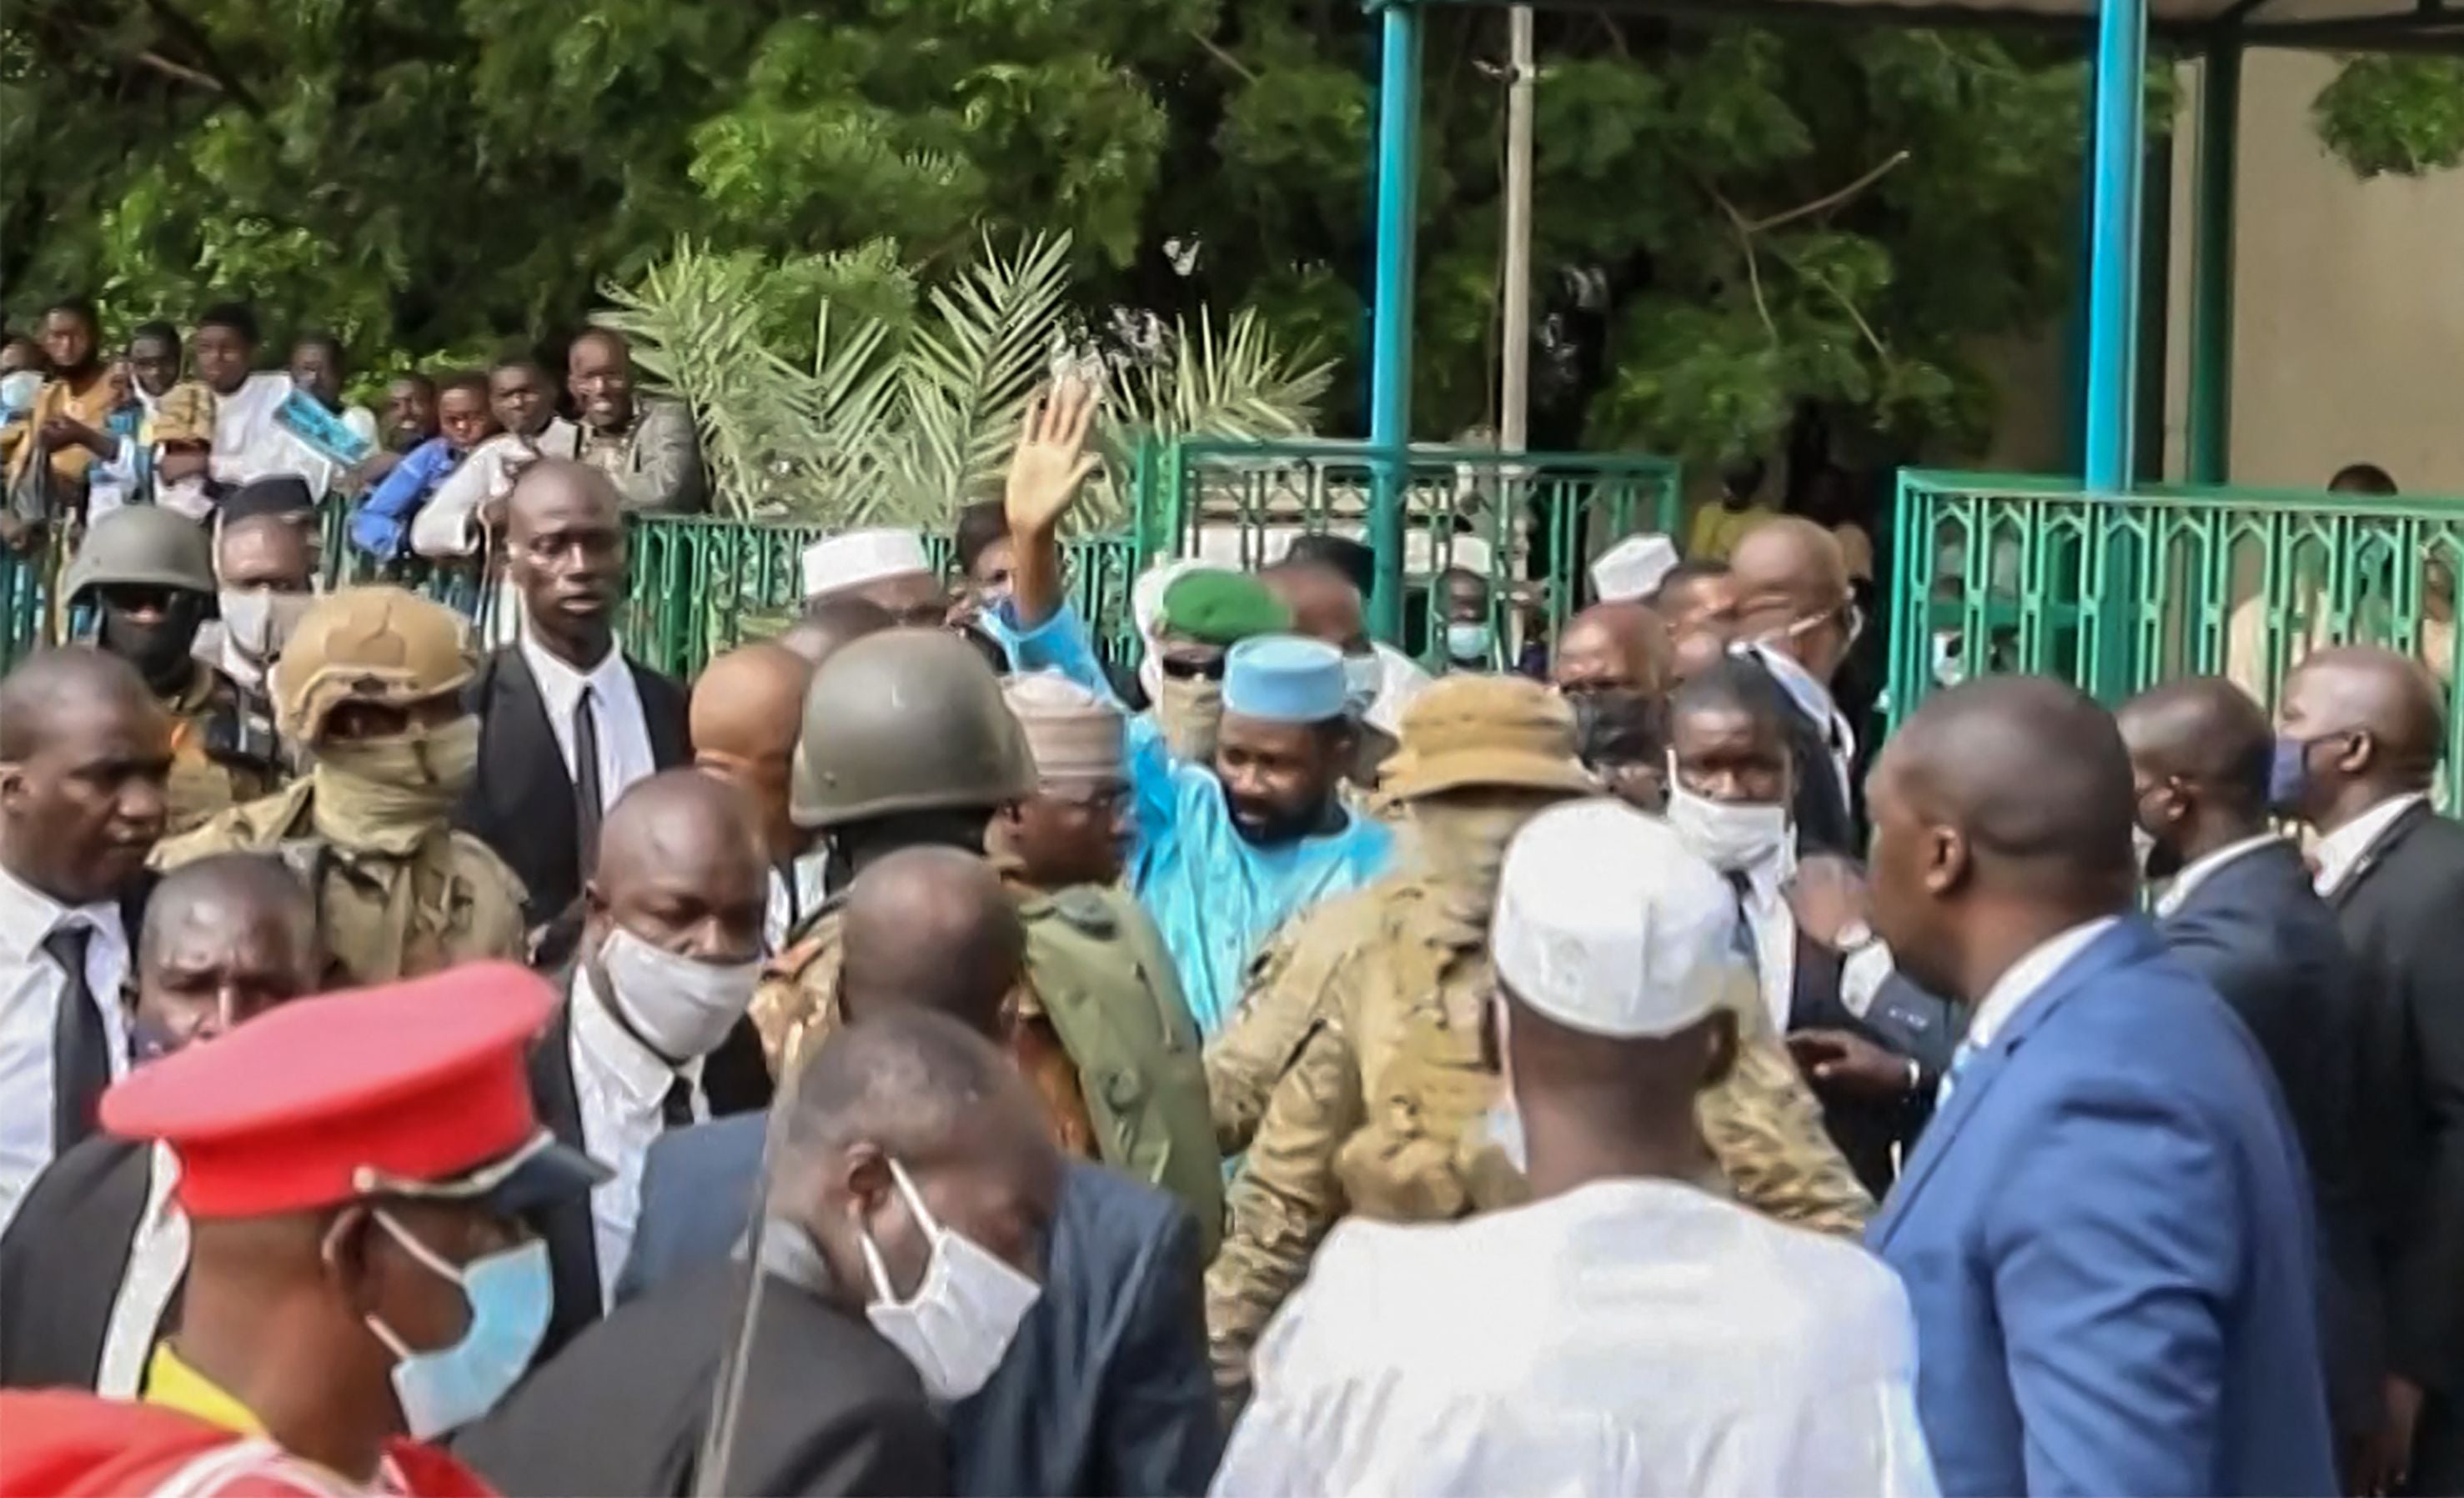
(357, 1174)
(1718, 526)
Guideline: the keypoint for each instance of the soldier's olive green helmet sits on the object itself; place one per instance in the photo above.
(375, 645)
(142, 546)
(906, 720)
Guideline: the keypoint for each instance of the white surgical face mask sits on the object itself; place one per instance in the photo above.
(510, 1296)
(959, 1323)
(682, 1005)
(1731, 836)
(1467, 644)
(1362, 676)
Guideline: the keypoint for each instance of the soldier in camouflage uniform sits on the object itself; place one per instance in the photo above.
(908, 742)
(1359, 1072)
(147, 574)
(371, 681)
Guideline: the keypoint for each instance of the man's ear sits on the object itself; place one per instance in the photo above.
(1949, 859)
(346, 1250)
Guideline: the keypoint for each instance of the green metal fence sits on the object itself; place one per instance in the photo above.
(1530, 523)
(696, 586)
(2116, 595)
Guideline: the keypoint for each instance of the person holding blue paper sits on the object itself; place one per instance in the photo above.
(1229, 848)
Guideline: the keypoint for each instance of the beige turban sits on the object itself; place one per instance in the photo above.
(1075, 734)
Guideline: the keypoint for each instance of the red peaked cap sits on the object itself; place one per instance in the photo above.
(320, 1102)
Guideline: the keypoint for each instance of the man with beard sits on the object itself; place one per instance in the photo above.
(372, 685)
(648, 446)
(84, 749)
(1230, 849)
(567, 719)
(1357, 1075)
(149, 575)
(91, 1267)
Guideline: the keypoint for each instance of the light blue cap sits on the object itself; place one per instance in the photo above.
(1284, 679)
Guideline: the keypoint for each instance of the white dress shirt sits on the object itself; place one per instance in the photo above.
(620, 1085)
(2026, 978)
(1631, 1337)
(2199, 870)
(1769, 915)
(624, 732)
(2342, 849)
(30, 985)
(796, 892)
(158, 1259)
(1814, 699)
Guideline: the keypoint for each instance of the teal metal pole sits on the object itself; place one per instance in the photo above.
(2210, 452)
(1390, 355)
(2113, 238)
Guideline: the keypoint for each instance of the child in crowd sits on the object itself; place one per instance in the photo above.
(382, 527)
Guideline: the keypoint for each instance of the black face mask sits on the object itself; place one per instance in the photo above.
(1617, 726)
(158, 651)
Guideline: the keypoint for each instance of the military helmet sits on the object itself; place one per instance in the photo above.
(142, 546)
(906, 720)
(375, 645)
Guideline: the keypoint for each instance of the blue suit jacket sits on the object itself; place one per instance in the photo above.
(1105, 1390)
(2106, 1239)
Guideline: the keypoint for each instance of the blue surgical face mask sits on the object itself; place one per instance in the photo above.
(510, 1294)
(2288, 774)
(1467, 643)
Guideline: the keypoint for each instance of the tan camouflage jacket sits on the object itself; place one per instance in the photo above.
(223, 754)
(795, 1004)
(381, 918)
(1357, 1075)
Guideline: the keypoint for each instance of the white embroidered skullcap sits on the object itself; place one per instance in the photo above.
(1607, 924)
(853, 558)
(1632, 569)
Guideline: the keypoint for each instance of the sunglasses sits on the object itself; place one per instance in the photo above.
(1182, 669)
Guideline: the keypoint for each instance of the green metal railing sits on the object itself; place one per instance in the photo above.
(1528, 523)
(696, 586)
(2116, 595)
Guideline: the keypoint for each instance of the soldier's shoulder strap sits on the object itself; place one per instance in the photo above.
(255, 826)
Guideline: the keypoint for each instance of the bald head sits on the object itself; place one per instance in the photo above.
(748, 707)
(1324, 602)
(564, 549)
(226, 938)
(84, 754)
(2367, 724)
(1787, 575)
(832, 621)
(2203, 736)
(681, 867)
(2031, 773)
(1612, 648)
(930, 927)
(2002, 814)
(266, 550)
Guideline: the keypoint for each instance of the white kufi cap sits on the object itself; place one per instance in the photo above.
(853, 558)
(1633, 568)
(1607, 924)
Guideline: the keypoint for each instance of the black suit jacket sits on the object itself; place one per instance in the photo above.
(521, 804)
(830, 1407)
(1104, 1390)
(2257, 931)
(62, 1261)
(1826, 822)
(1864, 1131)
(2402, 912)
(735, 1078)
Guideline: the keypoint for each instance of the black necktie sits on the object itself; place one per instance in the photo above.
(1742, 939)
(80, 1044)
(585, 784)
(675, 1110)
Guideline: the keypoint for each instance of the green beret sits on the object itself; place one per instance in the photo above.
(1222, 608)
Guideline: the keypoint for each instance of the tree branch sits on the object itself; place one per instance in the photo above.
(1247, 74)
(180, 71)
(1831, 200)
(196, 40)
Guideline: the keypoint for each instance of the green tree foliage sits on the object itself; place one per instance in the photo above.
(2399, 116)
(1736, 222)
